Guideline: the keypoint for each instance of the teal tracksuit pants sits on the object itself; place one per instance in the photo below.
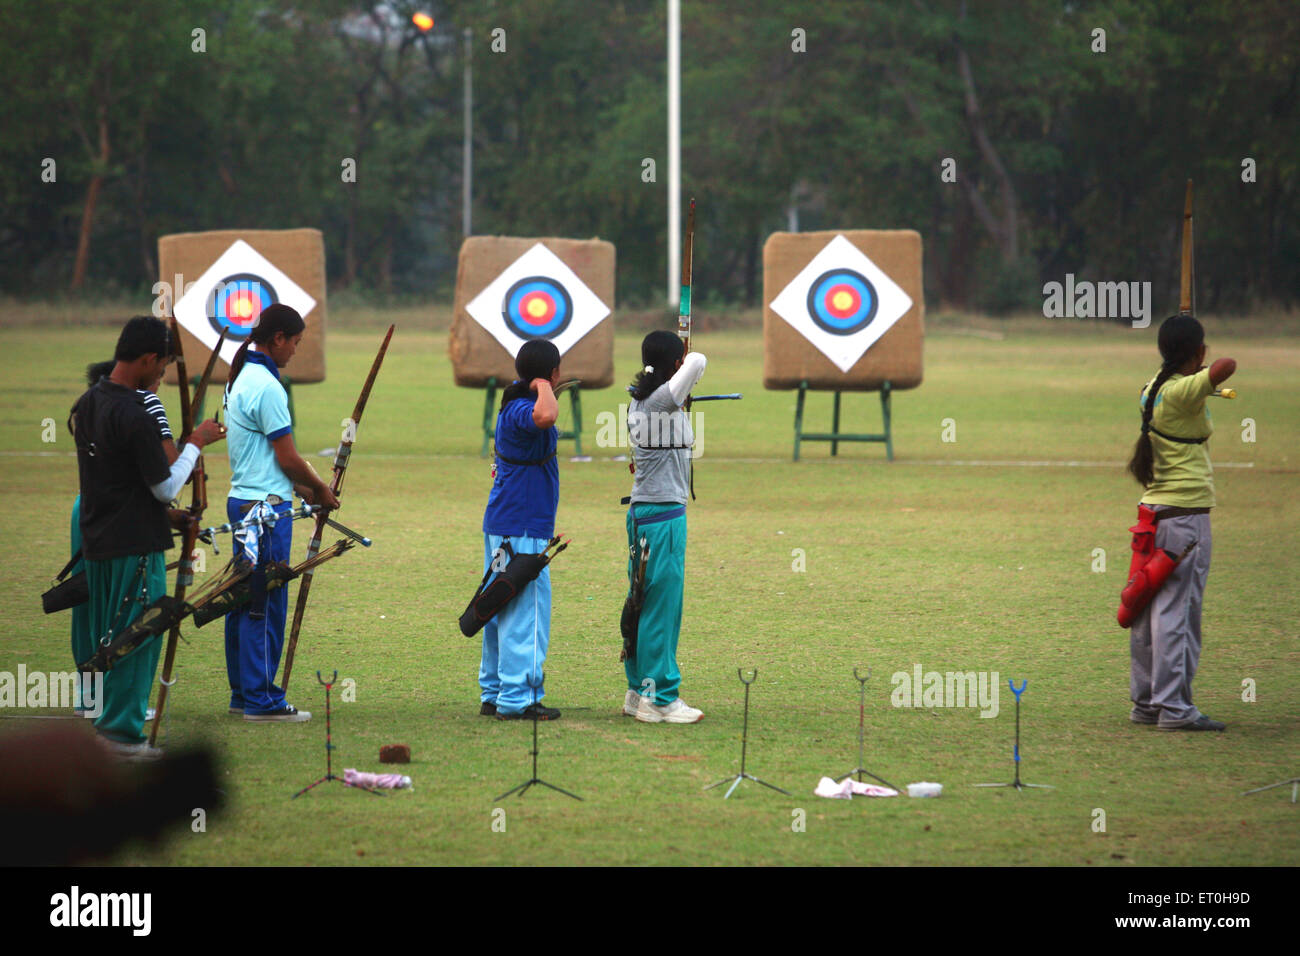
(653, 671)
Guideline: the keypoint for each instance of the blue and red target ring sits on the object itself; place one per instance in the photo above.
(842, 301)
(537, 307)
(236, 302)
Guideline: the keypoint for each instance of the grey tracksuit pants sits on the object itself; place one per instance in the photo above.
(1165, 640)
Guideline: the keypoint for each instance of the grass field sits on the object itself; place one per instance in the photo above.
(976, 554)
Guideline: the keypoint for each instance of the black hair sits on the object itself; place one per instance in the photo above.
(1179, 338)
(537, 358)
(273, 320)
(142, 335)
(660, 351)
(97, 370)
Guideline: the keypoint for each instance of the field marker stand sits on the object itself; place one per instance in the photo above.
(1294, 782)
(329, 746)
(835, 436)
(859, 770)
(744, 738)
(1017, 783)
(523, 787)
(490, 417)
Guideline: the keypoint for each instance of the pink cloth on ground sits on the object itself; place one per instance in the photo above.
(375, 781)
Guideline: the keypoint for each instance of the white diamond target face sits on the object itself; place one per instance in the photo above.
(537, 297)
(842, 302)
(231, 295)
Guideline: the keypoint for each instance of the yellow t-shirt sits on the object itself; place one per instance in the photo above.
(1182, 472)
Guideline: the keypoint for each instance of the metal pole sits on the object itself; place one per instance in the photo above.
(467, 160)
(674, 149)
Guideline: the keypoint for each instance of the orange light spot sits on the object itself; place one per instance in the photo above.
(423, 21)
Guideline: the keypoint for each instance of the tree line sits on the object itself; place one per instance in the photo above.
(1023, 140)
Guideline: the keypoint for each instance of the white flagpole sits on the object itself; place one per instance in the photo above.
(674, 151)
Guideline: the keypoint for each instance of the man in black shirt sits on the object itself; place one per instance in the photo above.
(126, 484)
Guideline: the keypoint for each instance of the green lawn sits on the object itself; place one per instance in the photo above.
(953, 557)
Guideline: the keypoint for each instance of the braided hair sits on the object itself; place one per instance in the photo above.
(273, 319)
(660, 351)
(537, 358)
(1179, 339)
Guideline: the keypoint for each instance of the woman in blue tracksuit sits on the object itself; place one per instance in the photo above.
(265, 470)
(521, 511)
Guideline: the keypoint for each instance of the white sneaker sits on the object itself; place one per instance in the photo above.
(133, 752)
(630, 703)
(678, 712)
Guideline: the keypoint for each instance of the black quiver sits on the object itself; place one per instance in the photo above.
(158, 617)
(632, 604)
(233, 598)
(68, 591)
(491, 598)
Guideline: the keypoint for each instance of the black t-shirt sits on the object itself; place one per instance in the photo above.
(119, 457)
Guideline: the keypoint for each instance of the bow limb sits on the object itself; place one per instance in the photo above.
(198, 501)
(341, 457)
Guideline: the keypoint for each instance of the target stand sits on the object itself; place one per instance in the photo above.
(490, 417)
(835, 436)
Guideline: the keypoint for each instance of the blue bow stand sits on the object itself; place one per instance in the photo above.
(1017, 783)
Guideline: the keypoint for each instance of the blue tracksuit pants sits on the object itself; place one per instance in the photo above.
(516, 639)
(255, 632)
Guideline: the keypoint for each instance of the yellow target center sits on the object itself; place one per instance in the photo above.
(244, 308)
(841, 301)
(536, 308)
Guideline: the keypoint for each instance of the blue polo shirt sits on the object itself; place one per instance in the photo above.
(257, 412)
(524, 498)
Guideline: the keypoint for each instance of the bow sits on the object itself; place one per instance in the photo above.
(340, 467)
(1187, 283)
(198, 501)
(684, 300)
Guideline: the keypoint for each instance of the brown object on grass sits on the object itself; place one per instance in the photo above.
(395, 753)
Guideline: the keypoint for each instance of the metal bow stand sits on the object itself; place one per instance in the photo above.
(523, 787)
(859, 770)
(1294, 782)
(744, 740)
(329, 747)
(1017, 783)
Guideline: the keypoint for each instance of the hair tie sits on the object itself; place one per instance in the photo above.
(1146, 429)
(649, 369)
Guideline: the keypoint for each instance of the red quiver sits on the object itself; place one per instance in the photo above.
(1148, 570)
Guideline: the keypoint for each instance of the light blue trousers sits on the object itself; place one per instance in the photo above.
(516, 639)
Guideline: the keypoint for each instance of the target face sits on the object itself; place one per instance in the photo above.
(236, 303)
(537, 307)
(231, 294)
(842, 302)
(537, 297)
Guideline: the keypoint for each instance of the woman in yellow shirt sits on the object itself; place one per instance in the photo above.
(1172, 463)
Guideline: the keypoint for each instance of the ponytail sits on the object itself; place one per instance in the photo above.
(660, 351)
(97, 370)
(275, 319)
(1179, 338)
